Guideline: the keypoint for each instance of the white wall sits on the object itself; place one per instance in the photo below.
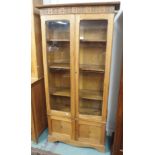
(116, 62)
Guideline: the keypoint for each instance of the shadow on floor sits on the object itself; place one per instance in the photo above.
(65, 149)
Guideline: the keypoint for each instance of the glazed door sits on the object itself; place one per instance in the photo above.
(58, 59)
(93, 56)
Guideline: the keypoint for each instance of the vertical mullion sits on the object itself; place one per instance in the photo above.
(77, 21)
(43, 27)
(72, 75)
(107, 66)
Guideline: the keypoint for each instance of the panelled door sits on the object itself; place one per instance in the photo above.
(58, 55)
(93, 52)
(77, 55)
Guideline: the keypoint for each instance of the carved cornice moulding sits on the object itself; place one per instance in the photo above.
(77, 10)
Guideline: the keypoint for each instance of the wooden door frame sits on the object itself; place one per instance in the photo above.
(70, 18)
(110, 18)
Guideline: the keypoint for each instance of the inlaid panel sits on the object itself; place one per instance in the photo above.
(77, 10)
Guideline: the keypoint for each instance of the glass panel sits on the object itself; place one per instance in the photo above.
(92, 40)
(58, 30)
(60, 103)
(93, 30)
(90, 107)
(58, 58)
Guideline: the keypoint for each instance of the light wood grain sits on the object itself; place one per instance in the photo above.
(60, 66)
(92, 95)
(90, 81)
(107, 65)
(116, 4)
(92, 68)
(66, 139)
(56, 79)
(72, 66)
(43, 28)
(77, 75)
(61, 92)
(36, 48)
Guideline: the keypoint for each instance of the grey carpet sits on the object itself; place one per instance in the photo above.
(35, 151)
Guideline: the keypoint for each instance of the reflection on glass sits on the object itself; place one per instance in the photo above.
(57, 30)
(58, 54)
(60, 103)
(93, 30)
(92, 39)
(58, 58)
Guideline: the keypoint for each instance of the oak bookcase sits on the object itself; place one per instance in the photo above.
(77, 45)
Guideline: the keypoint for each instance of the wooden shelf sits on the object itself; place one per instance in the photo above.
(58, 40)
(61, 107)
(92, 68)
(60, 66)
(61, 113)
(90, 111)
(89, 40)
(91, 95)
(60, 92)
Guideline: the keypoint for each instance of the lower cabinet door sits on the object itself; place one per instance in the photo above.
(86, 132)
(90, 132)
(60, 128)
